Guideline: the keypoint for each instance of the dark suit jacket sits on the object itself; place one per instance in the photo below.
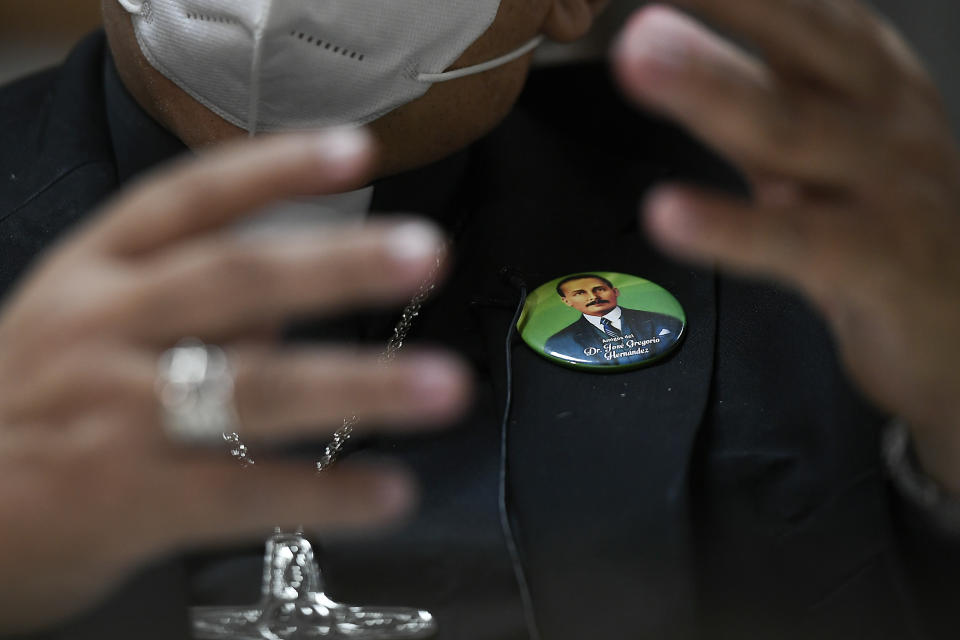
(583, 342)
(733, 490)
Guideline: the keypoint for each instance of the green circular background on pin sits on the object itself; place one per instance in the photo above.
(558, 332)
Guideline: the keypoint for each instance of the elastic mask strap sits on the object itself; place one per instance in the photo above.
(133, 6)
(485, 66)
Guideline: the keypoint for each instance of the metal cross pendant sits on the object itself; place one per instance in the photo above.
(293, 606)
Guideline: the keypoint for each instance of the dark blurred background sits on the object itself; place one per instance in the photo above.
(38, 33)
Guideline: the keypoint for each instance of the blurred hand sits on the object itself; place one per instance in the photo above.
(856, 184)
(89, 484)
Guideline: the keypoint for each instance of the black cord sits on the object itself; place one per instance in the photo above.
(509, 538)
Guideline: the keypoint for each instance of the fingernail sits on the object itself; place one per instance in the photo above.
(650, 39)
(413, 243)
(670, 218)
(660, 49)
(396, 493)
(343, 144)
(436, 385)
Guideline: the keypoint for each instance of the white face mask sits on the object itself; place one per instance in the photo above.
(273, 65)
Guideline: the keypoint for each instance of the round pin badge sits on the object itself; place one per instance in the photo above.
(602, 321)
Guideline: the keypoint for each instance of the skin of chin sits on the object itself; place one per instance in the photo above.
(447, 118)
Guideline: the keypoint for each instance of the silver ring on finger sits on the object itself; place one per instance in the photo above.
(195, 390)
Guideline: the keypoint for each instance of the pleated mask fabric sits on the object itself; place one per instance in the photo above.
(280, 65)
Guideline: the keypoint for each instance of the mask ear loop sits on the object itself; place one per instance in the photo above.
(485, 66)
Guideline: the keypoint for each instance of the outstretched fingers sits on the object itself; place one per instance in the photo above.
(219, 187)
(210, 287)
(307, 392)
(820, 41)
(738, 105)
(807, 243)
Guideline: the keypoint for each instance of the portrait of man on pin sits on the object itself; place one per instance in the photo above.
(607, 333)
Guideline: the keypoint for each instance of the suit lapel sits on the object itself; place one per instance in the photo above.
(588, 334)
(626, 327)
(598, 462)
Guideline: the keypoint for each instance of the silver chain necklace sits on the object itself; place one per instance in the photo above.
(241, 453)
(293, 605)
